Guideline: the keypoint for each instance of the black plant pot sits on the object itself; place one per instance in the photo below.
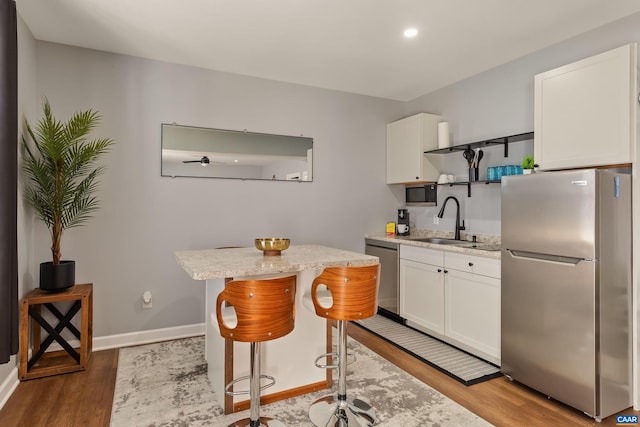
(57, 277)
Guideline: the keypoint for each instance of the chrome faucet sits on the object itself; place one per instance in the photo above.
(458, 226)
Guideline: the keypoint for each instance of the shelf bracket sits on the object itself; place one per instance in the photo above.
(468, 184)
(504, 141)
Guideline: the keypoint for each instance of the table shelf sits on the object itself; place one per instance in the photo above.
(43, 363)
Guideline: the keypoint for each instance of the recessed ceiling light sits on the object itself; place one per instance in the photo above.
(410, 33)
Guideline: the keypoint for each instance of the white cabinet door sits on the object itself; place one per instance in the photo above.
(585, 112)
(407, 140)
(422, 294)
(473, 310)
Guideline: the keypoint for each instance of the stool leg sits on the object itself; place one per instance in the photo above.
(254, 385)
(254, 419)
(342, 363)
(339, 411)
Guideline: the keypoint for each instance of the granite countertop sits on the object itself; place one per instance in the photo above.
(488, 239)
(220, 263)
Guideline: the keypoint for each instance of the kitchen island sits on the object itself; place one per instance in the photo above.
(289, 359)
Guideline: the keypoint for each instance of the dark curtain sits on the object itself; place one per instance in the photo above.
(8, 180)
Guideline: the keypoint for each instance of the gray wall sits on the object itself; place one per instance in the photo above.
(128, 247)
(499, 102)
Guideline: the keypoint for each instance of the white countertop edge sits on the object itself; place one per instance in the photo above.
(222, 263)
(406, 240)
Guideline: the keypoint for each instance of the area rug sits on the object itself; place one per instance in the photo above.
(165, 384)
(456, 363)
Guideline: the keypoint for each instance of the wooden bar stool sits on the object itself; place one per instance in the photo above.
(343, 294)
(254, 311)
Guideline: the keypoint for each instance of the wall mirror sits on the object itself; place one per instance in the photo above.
(218, 153)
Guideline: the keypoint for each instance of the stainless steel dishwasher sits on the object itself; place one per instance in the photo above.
(388, 292)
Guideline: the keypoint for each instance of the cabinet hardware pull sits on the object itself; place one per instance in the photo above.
(446, 271)
(439, 270)
(470, 264)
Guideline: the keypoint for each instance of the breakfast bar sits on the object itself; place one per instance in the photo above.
(289, 359)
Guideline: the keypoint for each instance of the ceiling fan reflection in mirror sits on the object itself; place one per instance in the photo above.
(204, 161)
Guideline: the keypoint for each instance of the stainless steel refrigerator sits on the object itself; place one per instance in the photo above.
(566, 287)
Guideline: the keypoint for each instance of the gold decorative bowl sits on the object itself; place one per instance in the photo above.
(272, 246)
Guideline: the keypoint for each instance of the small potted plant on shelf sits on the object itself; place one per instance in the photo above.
(527, 165)
(60, 163)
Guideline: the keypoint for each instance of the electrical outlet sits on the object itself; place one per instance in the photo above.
(436, 220)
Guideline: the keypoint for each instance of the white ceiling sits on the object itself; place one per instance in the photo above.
(349, 45)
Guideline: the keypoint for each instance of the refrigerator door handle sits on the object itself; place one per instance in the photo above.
(548, 257)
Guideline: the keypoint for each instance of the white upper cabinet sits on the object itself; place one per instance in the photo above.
(585, 112)
(407, 140)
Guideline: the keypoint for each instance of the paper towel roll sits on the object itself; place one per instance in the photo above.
(443, 134)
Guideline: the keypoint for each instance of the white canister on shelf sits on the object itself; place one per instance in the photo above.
(443, 134)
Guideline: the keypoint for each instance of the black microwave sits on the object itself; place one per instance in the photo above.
(423, 195)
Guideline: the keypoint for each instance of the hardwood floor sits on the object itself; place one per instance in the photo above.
(85, 398)
(70, 400)
(499, 401)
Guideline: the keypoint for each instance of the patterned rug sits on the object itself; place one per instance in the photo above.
(165, 384)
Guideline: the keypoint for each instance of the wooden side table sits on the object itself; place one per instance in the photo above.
(70, 359)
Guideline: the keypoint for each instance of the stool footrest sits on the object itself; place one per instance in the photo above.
(228, 392)
(350, 359)
(334, 364)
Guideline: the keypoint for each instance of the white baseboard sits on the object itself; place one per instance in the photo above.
(146, 337)
(112, 341)
(8, 386)
(138, 338)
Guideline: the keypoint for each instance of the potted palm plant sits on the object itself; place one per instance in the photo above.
(61, 165)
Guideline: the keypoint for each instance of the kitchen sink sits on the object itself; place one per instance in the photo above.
(440, 241)
(480, 246)
(459, 243)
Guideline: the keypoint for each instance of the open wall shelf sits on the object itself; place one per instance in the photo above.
(505, 141)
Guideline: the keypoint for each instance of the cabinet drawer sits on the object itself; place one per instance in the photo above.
(473, 264)
(424, 255)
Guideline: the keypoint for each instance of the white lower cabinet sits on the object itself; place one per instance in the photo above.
(454, 297)
(473, 310)
(421, 297)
